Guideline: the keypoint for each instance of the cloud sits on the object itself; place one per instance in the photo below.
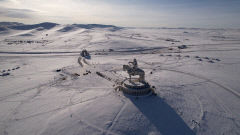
(16, 13)
(150, 13)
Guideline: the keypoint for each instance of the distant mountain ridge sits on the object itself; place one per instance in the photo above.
(48, 25)
(88, 26)
(20, 26)
(10, 24)
(45, 25)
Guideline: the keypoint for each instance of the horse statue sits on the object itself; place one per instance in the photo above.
(133, 70)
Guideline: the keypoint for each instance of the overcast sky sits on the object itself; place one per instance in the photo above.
(140, 13)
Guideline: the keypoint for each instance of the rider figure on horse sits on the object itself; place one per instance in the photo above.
(134, 63)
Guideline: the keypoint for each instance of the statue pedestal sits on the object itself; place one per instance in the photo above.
(136, 88)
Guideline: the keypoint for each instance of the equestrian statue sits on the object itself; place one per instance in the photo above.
(132, 70)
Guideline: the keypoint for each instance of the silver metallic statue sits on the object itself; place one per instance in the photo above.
(132, 70)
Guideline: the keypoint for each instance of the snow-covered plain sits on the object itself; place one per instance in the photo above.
(44, 90)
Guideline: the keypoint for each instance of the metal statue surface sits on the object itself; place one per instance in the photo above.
(132, 70)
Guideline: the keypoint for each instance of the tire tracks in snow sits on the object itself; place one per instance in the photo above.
(235, 93)
(85, 121)
(227, 111)
(201, 112)
(61, 108)
(115, 119)
(27, 90)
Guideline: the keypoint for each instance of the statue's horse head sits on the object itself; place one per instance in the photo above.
(134, 71)
(129, 69)
(126, 67)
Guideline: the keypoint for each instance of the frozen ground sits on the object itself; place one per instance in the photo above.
(45, 89)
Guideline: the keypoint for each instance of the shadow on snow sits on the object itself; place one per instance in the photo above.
(162, 116)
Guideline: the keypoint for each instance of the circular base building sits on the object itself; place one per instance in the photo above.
(135, 88)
